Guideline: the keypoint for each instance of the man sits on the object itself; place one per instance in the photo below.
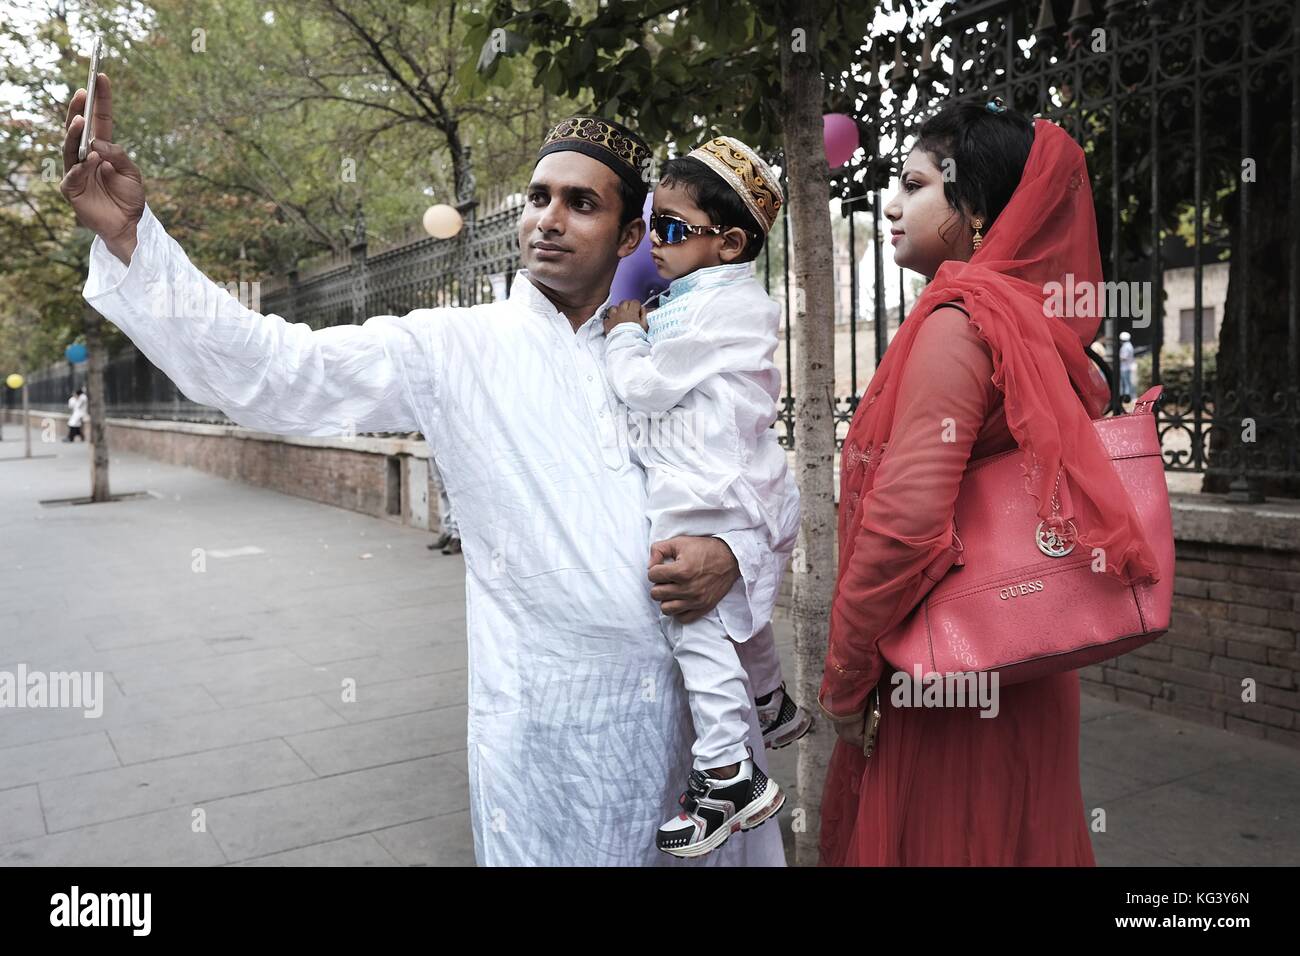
(577, 715)
(77, 406)
(449, 541)
(1127, 367)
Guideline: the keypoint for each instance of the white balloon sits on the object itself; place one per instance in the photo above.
(442, 221)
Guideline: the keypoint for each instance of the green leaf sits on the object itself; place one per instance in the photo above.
(583, 56)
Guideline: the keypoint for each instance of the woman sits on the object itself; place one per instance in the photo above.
(992, 208)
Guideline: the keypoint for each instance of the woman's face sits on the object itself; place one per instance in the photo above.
(924, 229)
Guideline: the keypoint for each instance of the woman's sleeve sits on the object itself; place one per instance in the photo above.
(904, 522)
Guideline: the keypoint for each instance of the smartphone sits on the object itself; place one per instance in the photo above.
(873, 724)
(89, 109)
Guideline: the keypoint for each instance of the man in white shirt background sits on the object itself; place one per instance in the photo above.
(77, 406)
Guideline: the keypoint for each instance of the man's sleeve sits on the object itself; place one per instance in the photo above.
(261, 370)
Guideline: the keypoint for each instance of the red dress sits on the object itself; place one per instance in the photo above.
(944, 787)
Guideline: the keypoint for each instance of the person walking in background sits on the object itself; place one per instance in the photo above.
(1127, 367)
(449, 541)
(77, 406)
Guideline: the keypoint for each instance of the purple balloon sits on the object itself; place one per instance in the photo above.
(636, 276)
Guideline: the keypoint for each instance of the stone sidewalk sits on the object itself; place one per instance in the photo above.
(225, 738)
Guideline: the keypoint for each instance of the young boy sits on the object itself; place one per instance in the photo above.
(700, 367)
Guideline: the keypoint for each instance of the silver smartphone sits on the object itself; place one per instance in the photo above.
(88, 111)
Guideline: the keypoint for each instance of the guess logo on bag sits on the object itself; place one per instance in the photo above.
(1016, 590)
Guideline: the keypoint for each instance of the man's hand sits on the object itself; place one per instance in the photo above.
(106, 190)
(691, 575)
(629, 311)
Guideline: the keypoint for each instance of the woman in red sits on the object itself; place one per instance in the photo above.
(993, 208)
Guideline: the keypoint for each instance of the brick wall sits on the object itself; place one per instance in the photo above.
(1236, 612)
(1236, 616)
(352, 474)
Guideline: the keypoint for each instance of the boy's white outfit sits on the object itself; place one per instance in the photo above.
(702, 394)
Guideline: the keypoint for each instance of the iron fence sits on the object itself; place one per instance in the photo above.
(1139, 83)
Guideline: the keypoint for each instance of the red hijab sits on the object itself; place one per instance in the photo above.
(1047, 231)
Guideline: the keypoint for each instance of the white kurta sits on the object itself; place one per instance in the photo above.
(703, 381)
(579, 732)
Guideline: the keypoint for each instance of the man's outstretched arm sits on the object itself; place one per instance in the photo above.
(260, 370)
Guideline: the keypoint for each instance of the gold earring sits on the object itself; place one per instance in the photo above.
(977, 240)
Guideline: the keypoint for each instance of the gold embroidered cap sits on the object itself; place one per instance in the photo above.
(605, 141)
(746, 173)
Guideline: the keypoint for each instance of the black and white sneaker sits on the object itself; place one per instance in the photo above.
(781, 719)
(714, 809)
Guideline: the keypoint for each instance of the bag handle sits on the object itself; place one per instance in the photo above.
(1149, 398)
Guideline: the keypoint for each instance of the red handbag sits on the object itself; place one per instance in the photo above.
(1014, 599)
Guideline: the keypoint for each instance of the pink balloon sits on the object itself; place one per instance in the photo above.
(840, 134)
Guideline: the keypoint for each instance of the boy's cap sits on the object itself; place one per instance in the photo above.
(605, 141)
(746, 173)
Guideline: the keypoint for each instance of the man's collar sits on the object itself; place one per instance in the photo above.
(525, 294)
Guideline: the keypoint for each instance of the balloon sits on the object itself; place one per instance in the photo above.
(840, 135)
(14, 381)
(76, 353)
(442, 221)
(636, 276)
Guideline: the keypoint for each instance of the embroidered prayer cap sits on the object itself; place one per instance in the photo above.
(746, 173)
(603, 140)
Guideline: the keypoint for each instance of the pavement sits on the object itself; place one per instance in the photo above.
(231, 622)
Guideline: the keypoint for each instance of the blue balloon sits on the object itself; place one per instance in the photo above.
(76, 353)
(636, 276)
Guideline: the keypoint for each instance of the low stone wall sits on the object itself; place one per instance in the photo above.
(1236, 610)
(384, 477)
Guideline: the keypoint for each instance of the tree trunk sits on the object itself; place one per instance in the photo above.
(97, 433)
(1259, 435)
(812, 312)
(27, 425)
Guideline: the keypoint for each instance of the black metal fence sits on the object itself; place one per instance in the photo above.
(1154, 91)
(1182, 108)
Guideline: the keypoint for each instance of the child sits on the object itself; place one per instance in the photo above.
(701, 364)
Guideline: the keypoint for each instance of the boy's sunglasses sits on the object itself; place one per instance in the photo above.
(672, 230)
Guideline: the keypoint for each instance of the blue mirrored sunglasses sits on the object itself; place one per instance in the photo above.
(672, 230)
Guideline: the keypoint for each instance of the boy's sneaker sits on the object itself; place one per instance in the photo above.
(781, 719)
(713, 809)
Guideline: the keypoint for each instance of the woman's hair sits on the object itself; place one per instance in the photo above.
(988, 149)
(719, 201)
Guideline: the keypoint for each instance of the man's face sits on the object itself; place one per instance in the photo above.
(569, 234)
